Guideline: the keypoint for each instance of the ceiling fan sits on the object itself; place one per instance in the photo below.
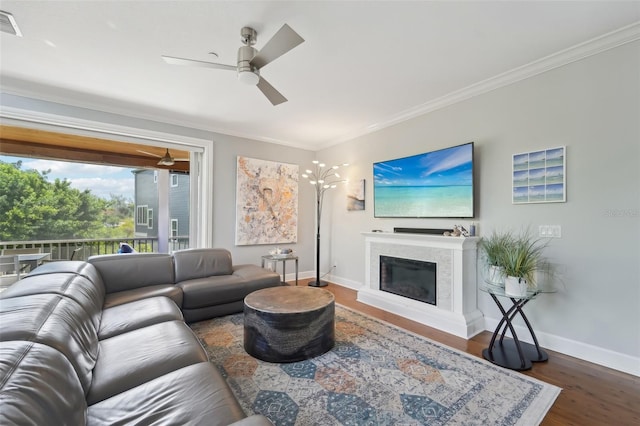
(251, 61)
(166, 159)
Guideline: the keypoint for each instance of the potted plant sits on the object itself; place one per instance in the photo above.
(520, 262)
(493, 250)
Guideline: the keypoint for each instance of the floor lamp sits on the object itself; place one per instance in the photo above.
(322, 178)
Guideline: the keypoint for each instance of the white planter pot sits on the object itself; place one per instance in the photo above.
(496, 275)
(515, 286)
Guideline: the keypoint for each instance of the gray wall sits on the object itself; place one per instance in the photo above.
(179, 202)
(146, 195)
(593, 108)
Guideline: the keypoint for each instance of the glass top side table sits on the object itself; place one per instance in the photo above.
(512, 353)
(275, 258)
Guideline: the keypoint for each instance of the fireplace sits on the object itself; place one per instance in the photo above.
(452, 303)
(415, 279)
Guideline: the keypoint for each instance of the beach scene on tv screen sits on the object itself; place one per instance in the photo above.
(433, 184)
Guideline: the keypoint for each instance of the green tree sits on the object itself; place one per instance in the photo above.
(118, 217)
(33, 208)
(119, 208)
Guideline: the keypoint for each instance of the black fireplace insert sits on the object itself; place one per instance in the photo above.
(415, 279)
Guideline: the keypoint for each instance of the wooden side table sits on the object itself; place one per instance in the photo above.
(275, 258)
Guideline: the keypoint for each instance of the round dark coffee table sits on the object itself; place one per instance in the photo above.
(288, 324)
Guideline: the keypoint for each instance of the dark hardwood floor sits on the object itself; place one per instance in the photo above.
(591, 394)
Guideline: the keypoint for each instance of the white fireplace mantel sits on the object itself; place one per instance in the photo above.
(456, 310)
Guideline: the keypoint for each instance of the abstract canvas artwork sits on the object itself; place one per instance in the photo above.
(266, 202)
(539, 176)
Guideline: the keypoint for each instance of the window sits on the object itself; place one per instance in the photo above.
(174, 180)
(150, 218)
(142, 217)
(174, 228)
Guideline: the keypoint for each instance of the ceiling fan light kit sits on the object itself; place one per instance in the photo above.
(166, 160)
(250, 78)
(250, 60)
(247, 73)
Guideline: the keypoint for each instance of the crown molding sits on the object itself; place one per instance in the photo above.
(559, 59)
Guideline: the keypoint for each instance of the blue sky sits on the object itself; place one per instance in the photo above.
(439, 168)
(100, 180)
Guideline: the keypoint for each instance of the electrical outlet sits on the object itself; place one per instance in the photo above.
(543, 231)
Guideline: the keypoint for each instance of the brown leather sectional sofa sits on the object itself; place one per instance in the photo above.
(105, 342)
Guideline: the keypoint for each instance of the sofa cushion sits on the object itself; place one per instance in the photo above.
(168, 290)
(38, 386)
(137, 314)
(122, 272)
(193, 395)
(55, 321)
(78, 288)
(211, 291)
(212, 311)
(131, 359)
(257, 276)
(199, 263)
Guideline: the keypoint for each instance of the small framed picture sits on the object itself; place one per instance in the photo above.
(539, 176)
(355, 195)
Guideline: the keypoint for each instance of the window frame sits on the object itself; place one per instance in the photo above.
(173, 230)
(49, 118)
(142, 214)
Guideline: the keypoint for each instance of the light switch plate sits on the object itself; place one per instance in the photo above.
(550, 231)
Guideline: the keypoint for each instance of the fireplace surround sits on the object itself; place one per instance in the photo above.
(456, 308)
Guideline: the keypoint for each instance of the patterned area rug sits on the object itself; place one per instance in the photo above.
(377, 374)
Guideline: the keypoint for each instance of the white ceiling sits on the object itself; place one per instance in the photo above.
(363, 65)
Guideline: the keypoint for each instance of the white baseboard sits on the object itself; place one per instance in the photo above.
(331, 278)
(586, 352)
(583, 351)
(302, 275)
(354, 285)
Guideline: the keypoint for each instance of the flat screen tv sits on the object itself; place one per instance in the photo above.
(436, 184)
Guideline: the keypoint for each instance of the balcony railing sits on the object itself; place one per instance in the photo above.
(81, 249)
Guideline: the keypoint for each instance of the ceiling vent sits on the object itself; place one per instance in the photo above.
(8, 24)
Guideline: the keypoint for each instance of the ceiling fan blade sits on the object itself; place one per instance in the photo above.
(193, 63)
(270, 92)
(149, 153)
(282, 42)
